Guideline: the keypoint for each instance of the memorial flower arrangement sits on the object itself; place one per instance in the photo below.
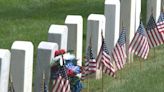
(72, 70)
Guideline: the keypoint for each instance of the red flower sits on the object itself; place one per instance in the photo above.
(70, 73)
(59, 52)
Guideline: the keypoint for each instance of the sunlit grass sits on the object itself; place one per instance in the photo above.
(29, 20)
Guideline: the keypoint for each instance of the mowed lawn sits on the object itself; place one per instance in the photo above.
(29, 20)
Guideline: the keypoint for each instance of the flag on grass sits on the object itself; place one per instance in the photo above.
(61, 82)
(119, 51)
(139, 44)
(104, 60)
(160, 24)
(90, 63)
(154, 36)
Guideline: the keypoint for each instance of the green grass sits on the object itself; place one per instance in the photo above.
(139, 76)
(29, 20)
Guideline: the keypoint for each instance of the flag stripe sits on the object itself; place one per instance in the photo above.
(134, 42)
(140, 43)
(119, 51)
(160, 25)
(155, 37)
(120, 57)
(61, 81)
(118, 64)
(104, 60)
(146, 52)
(139, 46)
(90, 63)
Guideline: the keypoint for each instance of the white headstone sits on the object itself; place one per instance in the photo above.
(112, 14)
(58, 34)
(4, 69)
(153, 6)
(128, 20)
(44, 56)
(22, 65)
(137, 14)
(162, 3)
(96, 24)
(75, 35)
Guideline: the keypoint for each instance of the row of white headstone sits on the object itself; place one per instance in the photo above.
(18, 62)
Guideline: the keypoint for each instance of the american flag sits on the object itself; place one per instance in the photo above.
(139, 44)
(61, 82)
(154, 36)
(160, 24)
(104, 60)
(119, 51)
(44, 85)
(11, 85)
(90, 63)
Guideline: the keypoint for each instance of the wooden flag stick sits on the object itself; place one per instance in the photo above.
(90, 44)
(154, 56)
(140, 63)
(43, 81)
(88, 84)
(163, 51)
(102, 79)
(11, 85)
(120, 76)
(101, 66)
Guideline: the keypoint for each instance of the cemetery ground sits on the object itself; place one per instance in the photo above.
(30, 19)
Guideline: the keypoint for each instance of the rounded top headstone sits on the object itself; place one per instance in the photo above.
(47, 45)
(74, 19)
(96, 17)
(4, 52)
(115, 2)
(57, 29)
(22, 45)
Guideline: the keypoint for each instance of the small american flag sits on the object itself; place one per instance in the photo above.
(44, 85)
(160, 24)
(139, 44)
(119, 51)
(154, 36)
(104, 60)
(90, 64)
(61, 82)
(11, 85)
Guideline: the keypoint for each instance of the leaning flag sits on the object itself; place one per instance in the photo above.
(104, 60)
(90, 63)
(61, 82)
(119, 51)
(139, 44)
(160, 24)
(154, 36)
